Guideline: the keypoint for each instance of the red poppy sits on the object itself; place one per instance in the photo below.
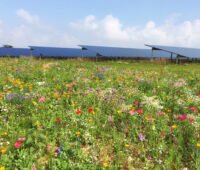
(58, 120)
(161, 137)
(140, 111)
(193, 108)
(163, 133)
(78, 111)
(90, 110)
(190, 119)
(136, 103)
(181, 117)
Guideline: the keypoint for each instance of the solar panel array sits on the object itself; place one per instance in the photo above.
(60, 52)
(100, 51)
(125, 52)
(184, 52)
(14, 52)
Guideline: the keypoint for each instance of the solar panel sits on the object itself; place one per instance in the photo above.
(181, 51)
(124, 52)
(14, 52)
(60, 52)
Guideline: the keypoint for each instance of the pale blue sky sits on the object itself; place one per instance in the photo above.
(128, 11)
(58, 15)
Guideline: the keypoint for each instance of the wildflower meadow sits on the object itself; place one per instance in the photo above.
(78, 114)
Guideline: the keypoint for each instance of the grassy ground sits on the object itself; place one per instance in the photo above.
(69, 114)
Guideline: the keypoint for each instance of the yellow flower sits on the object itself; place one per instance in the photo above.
(119, 111)
(150, 119)
(174, 126)
(56, 94)
(34, 102)
(198, 145)
(2, 168)
(91, 120)
(78, 133)
(3, 151)
(126, 145)
(130, 107)
(67, 93)
(5, 134)
(37, 124)
(73, 104)
(1, 96)
(105, 164)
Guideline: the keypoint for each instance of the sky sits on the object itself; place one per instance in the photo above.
(127, 23)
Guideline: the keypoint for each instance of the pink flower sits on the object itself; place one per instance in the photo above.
(48, 147)
(132, 112)
(18, 144)
(34, 168)
(21, 139)
(184, 117)
(181, 117)
(141, 137)
(160, 114)
(194, 109)
(41, 99)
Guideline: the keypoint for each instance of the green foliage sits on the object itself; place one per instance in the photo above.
(69, 114)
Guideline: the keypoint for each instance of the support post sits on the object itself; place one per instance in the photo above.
(152, 53)
(177, 59)
(171, 56)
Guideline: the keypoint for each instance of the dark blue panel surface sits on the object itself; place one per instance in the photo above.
(60, 52)
(15, 52)
(181, 51)
(125, 52)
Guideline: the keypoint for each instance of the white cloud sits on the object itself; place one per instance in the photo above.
(26, 16)
(108, 30)
(89, 23)
(113, 29)
(33, 31)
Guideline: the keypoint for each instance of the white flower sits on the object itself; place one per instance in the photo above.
(130, 159)
(40, 83)
(185, 168)
(152, 102)
(180, 83)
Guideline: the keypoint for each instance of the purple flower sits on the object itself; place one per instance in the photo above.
(11, 96)
(57, 152)
(141, 137)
